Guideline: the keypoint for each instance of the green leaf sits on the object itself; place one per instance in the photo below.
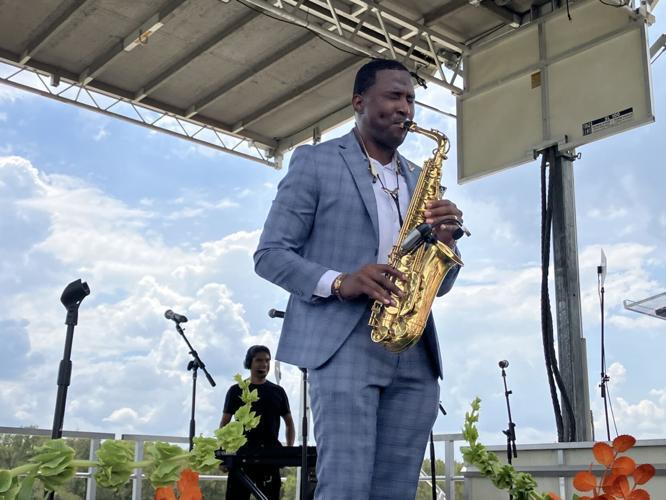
(168, 460)
(202, 457)
(54, 460)
(231, 437)
(25, 491)
(6, 480)
(114, 463)
(10, 494)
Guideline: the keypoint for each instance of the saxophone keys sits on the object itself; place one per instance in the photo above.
(380, 333)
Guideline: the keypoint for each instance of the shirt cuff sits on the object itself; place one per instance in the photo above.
(323, 288)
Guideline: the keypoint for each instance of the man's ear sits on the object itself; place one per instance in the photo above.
(358, 104)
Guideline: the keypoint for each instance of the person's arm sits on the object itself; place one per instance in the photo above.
(290, 429)
(226, 418)
(278, 258)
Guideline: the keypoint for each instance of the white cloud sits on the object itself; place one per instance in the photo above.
(200, 207)
(644, 419)
(608, 213)
(101, 134)
(616, 373)
(10, 94)
(127, 357)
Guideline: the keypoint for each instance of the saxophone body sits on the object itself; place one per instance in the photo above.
(400, 326)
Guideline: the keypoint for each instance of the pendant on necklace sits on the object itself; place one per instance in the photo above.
(393, 193)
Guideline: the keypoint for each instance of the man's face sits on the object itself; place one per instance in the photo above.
(385, 106)
(261, 364)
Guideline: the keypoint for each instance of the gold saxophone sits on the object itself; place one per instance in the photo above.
(400, 326)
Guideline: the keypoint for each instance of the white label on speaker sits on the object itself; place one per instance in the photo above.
(609, 121)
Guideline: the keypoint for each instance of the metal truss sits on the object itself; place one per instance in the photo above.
(366, 28)
(72, 92)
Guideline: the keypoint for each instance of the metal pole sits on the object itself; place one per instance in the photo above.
(571, 343)
(91, 484)
(449, 469)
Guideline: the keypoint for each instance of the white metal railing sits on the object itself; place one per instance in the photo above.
(137, 477)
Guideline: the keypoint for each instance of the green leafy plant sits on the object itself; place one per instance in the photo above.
(519, 484)
(53, 463)
(614, 483)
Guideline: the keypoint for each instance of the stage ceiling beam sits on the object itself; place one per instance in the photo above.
(290, 96)
(502, 13)
(378, 36)
(438, 13)
(267, 61)
(176, 68)
(163, 16)
(58, 22)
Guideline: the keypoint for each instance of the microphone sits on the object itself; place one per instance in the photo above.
(418, 235)
(178, 318)
(274, 313)
(602, 267)
(503, 364)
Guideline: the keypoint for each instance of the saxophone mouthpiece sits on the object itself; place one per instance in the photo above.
(407, 124)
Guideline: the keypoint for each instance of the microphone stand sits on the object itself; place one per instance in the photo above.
(194, 365)
(604, 376)
(511, 431)
(304, 443)
(433, 484)
(71, 298)
(275, 313)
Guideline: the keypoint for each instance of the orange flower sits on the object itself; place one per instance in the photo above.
(165, 493)
(585, 481)
(188, 485)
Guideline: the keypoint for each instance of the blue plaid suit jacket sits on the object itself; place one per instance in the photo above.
(324, 217)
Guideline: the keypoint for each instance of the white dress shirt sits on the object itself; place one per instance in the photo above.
(387, 214)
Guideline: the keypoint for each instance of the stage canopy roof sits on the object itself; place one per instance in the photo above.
(250, 77)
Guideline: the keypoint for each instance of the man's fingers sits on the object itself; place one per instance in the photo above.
(373, 290)
(390, 286)
(386, 269)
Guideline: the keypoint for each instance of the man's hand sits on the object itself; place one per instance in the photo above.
(372, 280)
(443, 216)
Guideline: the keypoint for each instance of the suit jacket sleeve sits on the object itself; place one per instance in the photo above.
(279, 256)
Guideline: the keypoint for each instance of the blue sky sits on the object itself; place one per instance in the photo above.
(153, 222)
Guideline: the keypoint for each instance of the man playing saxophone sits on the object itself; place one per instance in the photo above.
(327, 238)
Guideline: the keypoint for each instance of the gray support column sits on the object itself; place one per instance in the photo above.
(571, 344)
(449, 469)
(91, 484)
(137, 484)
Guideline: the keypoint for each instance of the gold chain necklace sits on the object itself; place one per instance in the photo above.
(394, 194)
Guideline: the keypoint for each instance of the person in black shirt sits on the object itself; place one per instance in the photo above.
(272, 405)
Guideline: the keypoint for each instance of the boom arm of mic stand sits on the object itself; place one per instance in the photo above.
(511, 430)
(196, 357)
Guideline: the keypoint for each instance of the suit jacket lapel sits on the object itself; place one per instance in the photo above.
(358, 166)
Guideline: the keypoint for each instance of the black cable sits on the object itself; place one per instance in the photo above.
(554, 376)
(546, 319)
(610, 405)
(556, 371)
